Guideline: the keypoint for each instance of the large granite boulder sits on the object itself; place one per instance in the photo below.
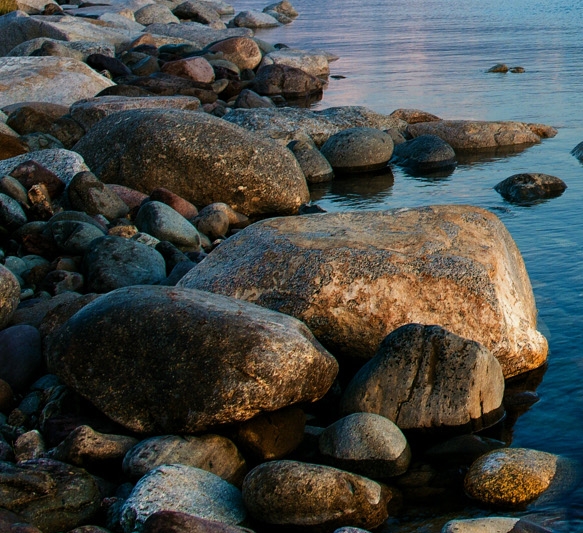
(220, 162)
(60, 80)
(426, 378)
(355, 277)
(244, 359)
(467, 135)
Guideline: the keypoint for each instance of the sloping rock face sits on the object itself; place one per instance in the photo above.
(355, 277)
(60, 80)
(244, 359)
(205, 160)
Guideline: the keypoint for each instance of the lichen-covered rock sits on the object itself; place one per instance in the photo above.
(355, 277)
(244, 359)
(312, 497)
(530, 187)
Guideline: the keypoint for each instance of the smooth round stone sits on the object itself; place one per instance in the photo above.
(530, 187)
(20, 355)
(242, 51)
(13, 188)
(9, 295)
(179, 204)
(12, 216)
(511, 477)
(254, 19)
(90, 195)
(358, 150)
(424, 154)
(368, 444)
(153, 13)
(314, 165)
(73, 236)
(195, 68)
(175, 522)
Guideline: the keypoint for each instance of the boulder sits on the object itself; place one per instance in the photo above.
(358, 150)
(199, 35)
(287, 81)
(185, 489)
(11, 146)
(53, 496)
(253, 175)
(21, 356)
(31, 117)
(355, 277)
(530, 187)
(60, 80)
(413, 116)
(155, 13)
(197, 11)
(494, 524)
(9, 295)
(468, 135)
(12, 215)
(193, 68)
(46, 46)
(511, 477)
(284, 7)
(424, 154)
(312, 497)
(367, 444)
(242, 51)
(88, 194)
(212, 453)
(313, 63)
(176, 522)
(249, 99)
(187, 336)
(315, 166)
(426, 378)
(254, 19)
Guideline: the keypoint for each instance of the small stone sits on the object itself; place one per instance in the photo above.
(194, 68)
(20, 355)
(29, 445)
(499, 67)
(41, 207)
(88, 194)
(425, 154)
(13, 188)
(530, 187)
(179, 204)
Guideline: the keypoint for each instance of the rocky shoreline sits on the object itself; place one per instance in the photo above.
(187, 344)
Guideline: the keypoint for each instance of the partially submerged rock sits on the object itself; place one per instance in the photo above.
(530, 187)
(424, 154)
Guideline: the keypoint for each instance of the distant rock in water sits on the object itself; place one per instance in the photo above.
(578, 151)
(530, 186)
(499, 68)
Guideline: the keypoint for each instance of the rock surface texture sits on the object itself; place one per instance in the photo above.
(530, 187)
(355, 277)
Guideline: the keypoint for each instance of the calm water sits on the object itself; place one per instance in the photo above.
(432, 55)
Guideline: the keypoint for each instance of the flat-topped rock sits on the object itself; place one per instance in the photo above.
(313, 63)
(198, 34)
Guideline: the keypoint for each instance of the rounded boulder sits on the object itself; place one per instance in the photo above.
(9, 295)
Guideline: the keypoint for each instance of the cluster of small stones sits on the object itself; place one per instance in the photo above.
(129, 404)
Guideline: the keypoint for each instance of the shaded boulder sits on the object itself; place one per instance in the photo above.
(90, 195)
(424, 154)
(252, 175)
(194, 68)
(254, 19)
(53, 496)
(185, 489)
(46, 46)
(367, 444)
(355, 277)
(312, 497)
(242, 51)
(530, 187)
(358, 150)
(288, 81)
(467, 135)
(48, 79)
(35, 116)
(20, 356)
(426, 378)
(177, 522)
(499, 68)
(249, 99)
(187, 336)
(9, 295)
(315, 166)
(202, 12)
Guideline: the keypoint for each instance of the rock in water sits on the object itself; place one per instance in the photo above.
(220, 162)
(9, 295)
(244, 359)
(355, 277)
(530, 187)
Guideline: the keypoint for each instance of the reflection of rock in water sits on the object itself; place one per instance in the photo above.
(363, 189)
(487, 155)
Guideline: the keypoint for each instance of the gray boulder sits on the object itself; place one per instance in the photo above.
(9, 295)
(254, 19)
(88, 194)
(155, 13)
(46, 46)
(426, 378)
(252, 175)
(284, 7)
(197, 11)
(199, 35)
(356, 277)
(114, 262)
(313, 497)
(315, 166)
(313, 63)
(424, 154)
(185, 336)
(185, 489)
(530, 187)
(288, 81)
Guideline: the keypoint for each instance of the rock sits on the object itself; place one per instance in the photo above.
(40, 141)
(254, 176)
(47, 79)
(517, 70)
(254, 19)
(315, 166)
(46, 46)
(426, 378)
(221, 7)
(114, 262)
(15, 524)
(29, 445)
(12, 216)
(185, 489)
(33, 117)
(74, 236)
(350, 530)
(287, 81)
(280, 353)
(467, 135)
(414, 116)
(11, 146)
(313, 497)
(20, 357)
(33, 311)
(349, 268)
(511, 477)
(49, 494)
(176, 522)
(6, 405)
(499, 67)
(155, 13)
(249, 99)
(578, 151)
(462, 450)
(163, 84)
(367, 444)
(199, 35)
(193, 68)
(9, 295)
(424, 154)
(212, 453)
(284, 7)
(315, 64)
(530, 187)
(242, 51)
(493, 524)
(114, 66)
(196, 11)
(180, 205)
(88, 194)
(358, 150)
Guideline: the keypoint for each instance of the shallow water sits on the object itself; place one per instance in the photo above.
(433, 55)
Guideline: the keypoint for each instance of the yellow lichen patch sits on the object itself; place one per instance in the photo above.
(6, 6)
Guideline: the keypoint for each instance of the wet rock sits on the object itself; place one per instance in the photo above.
(20, 356)
(413, 116)
(185, 489)
(367, 444)
(493, 524)
(578, 151)
(33, 117)
(314, 165)
(242, 51)
(349, 268)
(313, 497)
(88, 194)
(287, 81)
(280, 353)
(53, 496)
(176, 522)
(9, 295)
(424, 378)
(424, 154)
(114, 262)
(530, 187)
(462, 450)
(254, 19)
(194, 68)
(155, 13)
(47, 79)
(499, 68)
(253, 176)
(358, 150)
(312, 63)
(212, 453)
